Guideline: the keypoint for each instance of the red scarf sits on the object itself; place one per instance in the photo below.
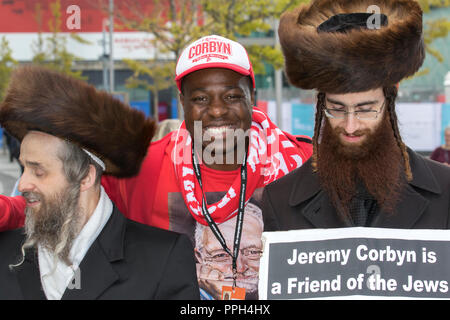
(272, 154)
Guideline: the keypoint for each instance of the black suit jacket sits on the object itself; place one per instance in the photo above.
(297, 201)
(128, 260)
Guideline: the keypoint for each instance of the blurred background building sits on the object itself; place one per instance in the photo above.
(75, 37)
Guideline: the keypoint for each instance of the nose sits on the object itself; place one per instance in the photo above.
(217, 108)
(351, 123)
(241, 264)
(25, 183)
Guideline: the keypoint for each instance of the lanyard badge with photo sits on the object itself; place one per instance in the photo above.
(228, 292)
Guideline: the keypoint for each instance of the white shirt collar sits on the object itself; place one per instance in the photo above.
(55, 274)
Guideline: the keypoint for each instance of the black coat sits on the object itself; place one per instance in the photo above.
(128, 260)
(297, 201)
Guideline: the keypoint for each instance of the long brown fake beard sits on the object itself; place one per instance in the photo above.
(377, 163)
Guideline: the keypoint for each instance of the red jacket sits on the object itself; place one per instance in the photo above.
(11, 212)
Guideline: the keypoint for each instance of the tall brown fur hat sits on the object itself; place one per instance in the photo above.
(356, 60)
(47, 101)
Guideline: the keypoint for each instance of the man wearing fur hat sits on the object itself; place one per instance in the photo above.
(361, 173)
(76, 244)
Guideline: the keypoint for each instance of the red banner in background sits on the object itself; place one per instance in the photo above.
(21, 15)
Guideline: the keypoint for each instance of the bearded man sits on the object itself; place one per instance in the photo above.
(75, 243)
(361, 173)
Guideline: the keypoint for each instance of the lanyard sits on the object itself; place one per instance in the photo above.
(240, 216)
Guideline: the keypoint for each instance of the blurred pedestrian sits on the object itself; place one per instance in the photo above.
(442, 153)
(13, 147)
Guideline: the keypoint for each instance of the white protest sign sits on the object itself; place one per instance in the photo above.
(355, 263)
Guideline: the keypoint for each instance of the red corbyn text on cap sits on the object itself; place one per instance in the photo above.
(210, 47)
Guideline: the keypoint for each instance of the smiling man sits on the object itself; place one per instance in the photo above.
(220, 158)
(218, 104)
(361, 173)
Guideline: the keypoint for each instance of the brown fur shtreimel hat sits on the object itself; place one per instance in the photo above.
(68, 108)
(342, 46)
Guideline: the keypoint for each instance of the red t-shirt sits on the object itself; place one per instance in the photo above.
(154, 197)
(167, 210)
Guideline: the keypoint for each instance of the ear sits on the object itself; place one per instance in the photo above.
(181, 96)
(253, 96)
(88, 181)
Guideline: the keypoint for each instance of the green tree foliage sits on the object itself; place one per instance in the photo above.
(176, 23)
(172, 24)
(434, 29)
(161, 74)
(7, 64)
(243, 18)
(52, 51)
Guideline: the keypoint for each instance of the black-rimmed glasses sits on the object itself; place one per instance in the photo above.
(362, 114)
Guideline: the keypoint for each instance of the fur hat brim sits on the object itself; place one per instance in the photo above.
(355, 61)
(47, 101)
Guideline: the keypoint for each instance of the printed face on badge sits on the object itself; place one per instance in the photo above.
(222, 100)
(214, 264)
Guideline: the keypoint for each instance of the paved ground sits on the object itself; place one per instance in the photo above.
(9, 173)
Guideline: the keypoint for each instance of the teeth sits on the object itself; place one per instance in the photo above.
(31, 197)
(215, 131)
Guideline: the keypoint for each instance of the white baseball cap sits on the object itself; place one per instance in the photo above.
(213, 52)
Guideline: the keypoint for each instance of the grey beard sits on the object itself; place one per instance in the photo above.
(56, 224)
